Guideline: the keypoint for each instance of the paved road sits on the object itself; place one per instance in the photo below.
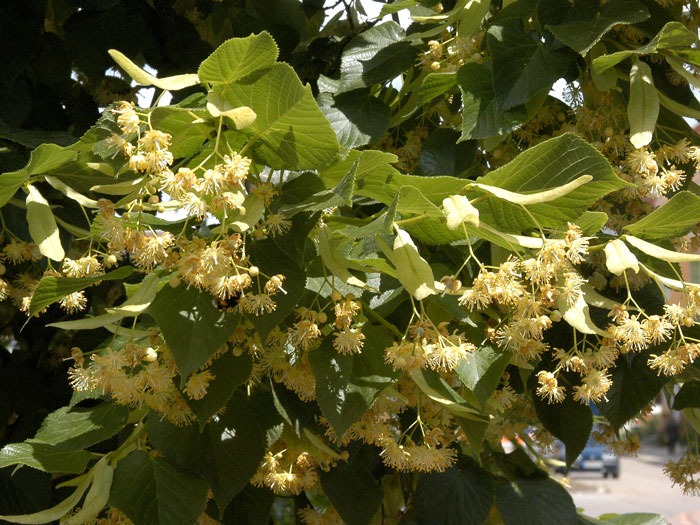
(641, 487)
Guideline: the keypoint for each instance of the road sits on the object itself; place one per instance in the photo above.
(641, 487)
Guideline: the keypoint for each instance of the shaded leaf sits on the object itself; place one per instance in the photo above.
(377, 54)
(674, 218)
(152, 491)
(75, 428)
(535, 502)
(482, 119)
(357, 119)
(585, 22)
(463, 494)
(193, 328)
(51, 289)
(569, 421)
(44, 158)
(346, 385)
(522, 64)
(47, 458)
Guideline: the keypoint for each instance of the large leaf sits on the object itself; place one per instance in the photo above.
(672, 35)
(192, 326)
(44, 158)
(522, 65)
(226, 452)
(643, 105)
(340, 195)
(569, 421)
(377, 179)
(75, 428)
(352, 489)
(153, 491)
(237, 58)
(688, 396)
(229, 372)
(482, 118)
(462, 494)
(535, 502)
(582, 25)
(482, 371)
(552, 163)
(377, 54)
(346, 385)
(187, 136)
(292, 130)
(356, 118)
(675, 218)
(44, 457)
(435, 84)
(634, 385)
(251, 506)
(272, 258)
(42, 225)
(442, 155)
(52, 289)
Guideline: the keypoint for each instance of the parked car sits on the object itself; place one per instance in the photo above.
(594, 457)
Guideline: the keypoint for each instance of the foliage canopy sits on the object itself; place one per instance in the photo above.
(342, 261)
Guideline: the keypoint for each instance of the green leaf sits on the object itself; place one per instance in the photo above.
(535, 502)
(607, 79)
(482, 372)
(238, 58)
(634, 385)
(340, 195)
(675, 218)
(522, 65)
(187, 137)
(251, 506)
(52, 289)
(352, 489)
(672, 35)
(357, 118)
(643, 105)
(569, 421)
(152, 491)
(377, 54)
(688, 396)
(75, 428)
(482, 118)
(436, 84)
(347, 385)
(586, 22)
(47, 458)
(272, 259)
(462, 494)
(230, 372)
(634, 518)
(591, 222)
(442, 155)
(192, 326)
(42, 225)
(292, 130)
(550, 164)
(226, 452)
(377, 179)
(44, 158)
